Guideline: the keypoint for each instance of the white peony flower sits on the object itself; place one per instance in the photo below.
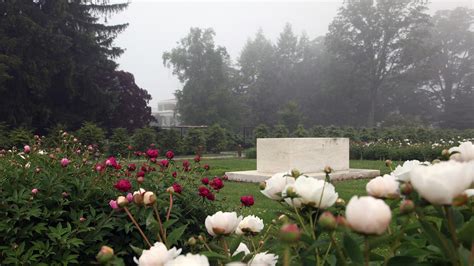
(264, 259)
(469, 192)
(222, 223)
(368, 215)
(242, 248)
(275, 185)
(250, 224)
(189, 259)
(441, 182)
(465, 152)
(383, 187)
(236, 263)
(402, 172)
(157, 255)
(308, 192)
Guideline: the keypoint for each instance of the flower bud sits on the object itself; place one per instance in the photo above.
(202, 239)
(140, 179)
(295, 173)
(327, 221)
(291, 193)
(170, 190)
(340, 202)
(327, 169)
(435, 161)
(445, 153)
(262, 185)
(460, 200)
(122, 201)
(105, 254)
(388, 163)
(113, 204)
(192, 241)
(342, 222)
(149, 198)
(407, 206)
(283, 218)
(34, 191)
(130, 197)
(290, 233)
(37, 170)
(27, 149)
(138, 199)
(406, 188)
(82, 219)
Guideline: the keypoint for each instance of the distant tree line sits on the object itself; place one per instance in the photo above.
(382, 63)
(57, 67)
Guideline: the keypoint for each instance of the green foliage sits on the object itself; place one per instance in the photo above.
(69, 218)
(300, 132)
(169, 139)
(91, 134)
(216, 139)
(261, 131)
(4, 136)
(251, 153)
(119, 142)
(280, 131)
(290, 116)
(143, 137)
(204, 69)
(20, 137)
(194, 140)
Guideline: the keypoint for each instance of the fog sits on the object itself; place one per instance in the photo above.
(156, 26)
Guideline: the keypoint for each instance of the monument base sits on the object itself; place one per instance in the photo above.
(257, 177)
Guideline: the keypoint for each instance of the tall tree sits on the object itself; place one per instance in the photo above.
(256, 62)
(56, 62)
(449, 67)
(204, 69)
(372, 36)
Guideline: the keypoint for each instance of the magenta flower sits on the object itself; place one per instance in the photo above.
(65, 162)
(113, 204)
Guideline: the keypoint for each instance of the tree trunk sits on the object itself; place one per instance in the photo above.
(373, 106)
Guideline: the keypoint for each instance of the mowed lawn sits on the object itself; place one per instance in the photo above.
(266, 208)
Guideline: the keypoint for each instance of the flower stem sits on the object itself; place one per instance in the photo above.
(286, 256)
(451, 227)
(163, 236)
(171, 206)
(366, 250)
(338, 250)
(138, 226)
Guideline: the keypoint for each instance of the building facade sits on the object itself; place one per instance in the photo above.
(166, 114)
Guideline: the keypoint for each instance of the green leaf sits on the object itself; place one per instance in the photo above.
(353, 250)
(137, 250)
(234, 243)
(466, 233)
(152, 225)
(402, 261)
(175, 235)
(436, 238)
(214, 255)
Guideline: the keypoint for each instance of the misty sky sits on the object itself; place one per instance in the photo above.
(156, 26)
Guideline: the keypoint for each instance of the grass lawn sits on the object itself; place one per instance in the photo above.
(266, 208)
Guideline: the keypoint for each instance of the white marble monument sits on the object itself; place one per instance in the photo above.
(308, 155)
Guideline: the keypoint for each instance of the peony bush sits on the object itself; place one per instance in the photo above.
(70, 205)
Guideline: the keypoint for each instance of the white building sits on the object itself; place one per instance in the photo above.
(166, 114)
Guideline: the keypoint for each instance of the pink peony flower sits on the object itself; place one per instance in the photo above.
(164, 163)
(111, 161)
(174, 174)
(123, 185)
(169, 155)
(130, 197)
(152, 153)
(27, 149)
(247, 201)
(216, 183)
(205, 181)
(113, 204)
(34, 191)
(197, 158)
(65, 162)
(203, 191)
(177, 188)
(206, 167)
(132, 167)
